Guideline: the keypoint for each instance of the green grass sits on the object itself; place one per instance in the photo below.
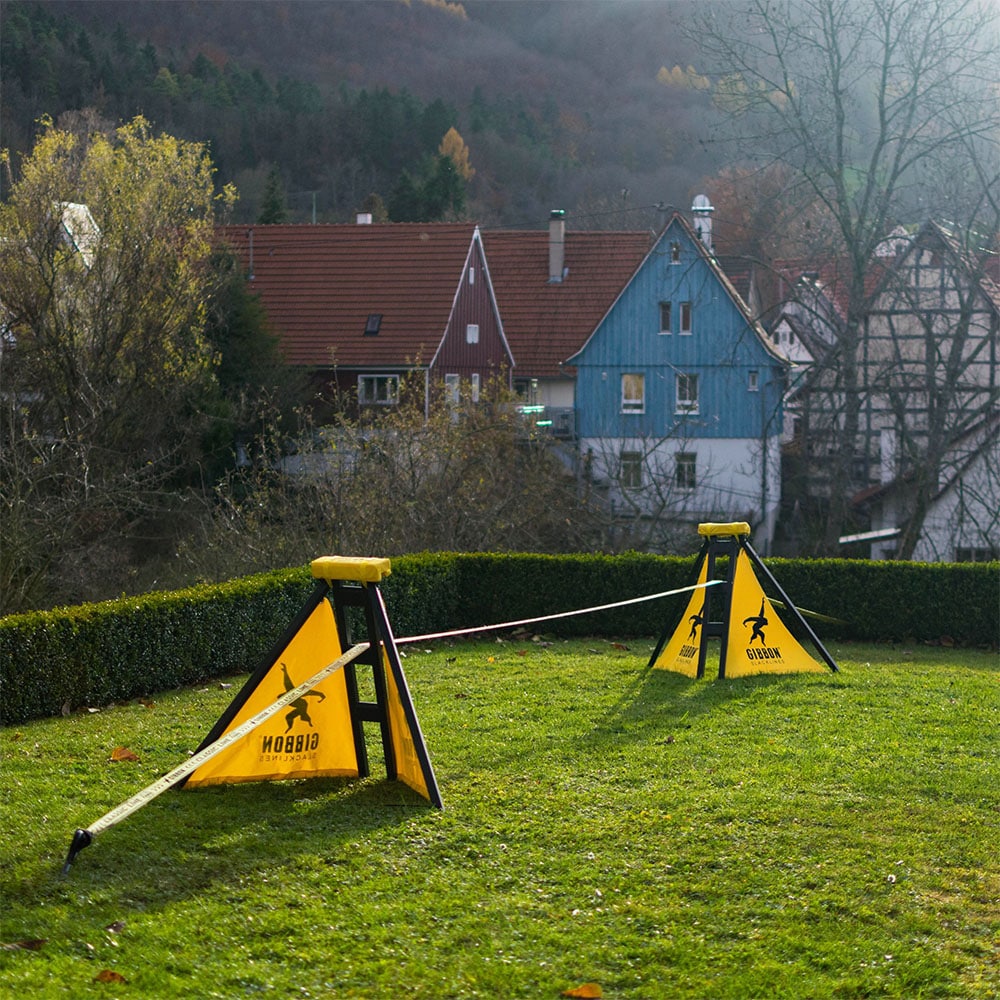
(803, 836)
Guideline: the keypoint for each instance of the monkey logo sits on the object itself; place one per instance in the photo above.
(299, 707)
(759, 621)
(696, 620)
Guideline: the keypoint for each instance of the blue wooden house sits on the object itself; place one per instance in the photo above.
(678, 397)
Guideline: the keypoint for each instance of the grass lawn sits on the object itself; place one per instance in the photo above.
(802, 836)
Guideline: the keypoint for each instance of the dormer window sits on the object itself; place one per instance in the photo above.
(373, 325)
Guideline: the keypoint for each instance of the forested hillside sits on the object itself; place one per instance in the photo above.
(584, 106)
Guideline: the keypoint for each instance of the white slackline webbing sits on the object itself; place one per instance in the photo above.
(83, 837)
(548, 618)
(195, 761)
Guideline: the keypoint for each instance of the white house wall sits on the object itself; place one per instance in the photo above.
(730, 482)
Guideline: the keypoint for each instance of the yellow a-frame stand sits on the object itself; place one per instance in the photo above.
(321, 732)
(735, 609)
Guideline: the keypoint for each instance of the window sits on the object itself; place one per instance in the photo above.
(452, 389)
(753, 382)
(675, 253)
(665, 326)
(475, 387)
(472, 333)
(633, 393)
(630, 477)
(378, 390)
(685, 470)
(472, 275)
(687, 393)
(685, 317)
(973, 554)
(373, 325)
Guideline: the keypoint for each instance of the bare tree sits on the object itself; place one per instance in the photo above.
(649, 491)
(932, 340)
(870, 103)
(461, 475)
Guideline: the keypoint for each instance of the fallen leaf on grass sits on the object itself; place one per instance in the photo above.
(146, 703)
(588, 991)
(521, 652)
(32, 944)
(123, 753)
(109, 976)
(619, 645)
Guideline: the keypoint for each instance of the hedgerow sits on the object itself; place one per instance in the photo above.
(90, 655)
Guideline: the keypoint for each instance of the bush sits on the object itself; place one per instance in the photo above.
(55, 661)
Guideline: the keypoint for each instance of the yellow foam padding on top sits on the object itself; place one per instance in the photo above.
(733, 528)
(363, 569)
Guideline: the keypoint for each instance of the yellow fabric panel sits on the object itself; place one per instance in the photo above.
(710, 528)
(362, 569)
(310, 738)
(408, 768)
(759, 642)
(680, 653)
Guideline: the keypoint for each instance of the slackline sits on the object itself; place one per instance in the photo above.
(83, 837)
(548, 618)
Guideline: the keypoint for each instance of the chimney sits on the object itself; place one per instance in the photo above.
(364, 218)
(557, 245)
(702, 211)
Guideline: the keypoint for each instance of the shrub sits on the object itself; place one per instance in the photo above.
(54, 661)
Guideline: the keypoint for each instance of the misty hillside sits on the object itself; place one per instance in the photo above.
(560, 104)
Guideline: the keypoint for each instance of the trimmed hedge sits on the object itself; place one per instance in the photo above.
(55, 661)
(95, 654)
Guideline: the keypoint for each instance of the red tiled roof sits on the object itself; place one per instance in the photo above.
(833, 275)
(320, 283)
(545, 323)
(740, 272)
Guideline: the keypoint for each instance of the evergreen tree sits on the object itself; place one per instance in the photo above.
(272, 208)
(406, 203)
